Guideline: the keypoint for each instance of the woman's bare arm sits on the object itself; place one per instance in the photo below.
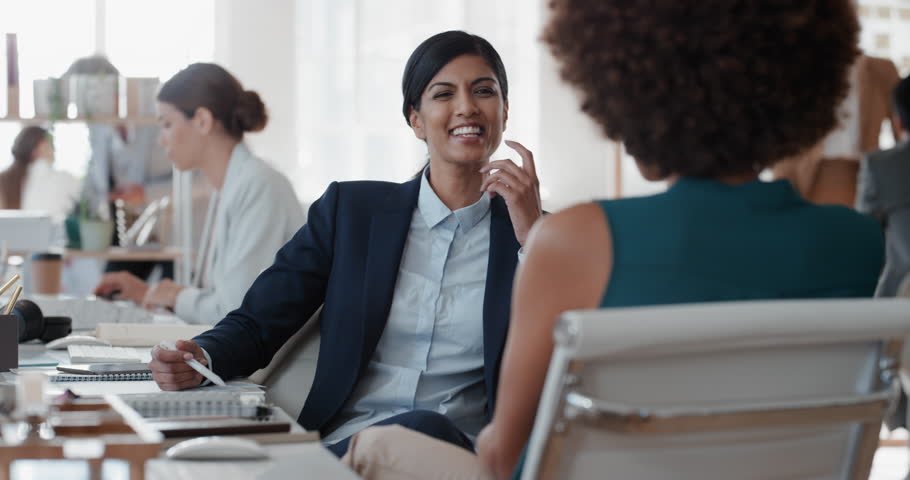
(568, 264)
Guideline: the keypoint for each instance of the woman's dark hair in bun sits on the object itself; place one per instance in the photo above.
(211, 86)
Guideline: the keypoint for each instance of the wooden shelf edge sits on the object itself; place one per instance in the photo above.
(892, 442)
(107, 120)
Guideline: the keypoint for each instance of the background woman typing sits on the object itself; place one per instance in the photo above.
(203, 113)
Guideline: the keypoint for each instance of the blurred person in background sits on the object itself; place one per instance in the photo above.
(32, 182)
(126, 164)
(883, 191)
(203, 112)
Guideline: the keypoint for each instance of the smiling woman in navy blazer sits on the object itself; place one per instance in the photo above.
(415, 279)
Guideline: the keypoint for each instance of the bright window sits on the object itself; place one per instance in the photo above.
(141, 38)
(351, 57)
(156, 39)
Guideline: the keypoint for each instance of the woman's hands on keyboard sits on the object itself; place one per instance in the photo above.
(169, 368)
(129, 286)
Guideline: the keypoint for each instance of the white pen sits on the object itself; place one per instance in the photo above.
(195, 365)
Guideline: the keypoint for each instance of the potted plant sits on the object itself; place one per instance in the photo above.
(95, 231)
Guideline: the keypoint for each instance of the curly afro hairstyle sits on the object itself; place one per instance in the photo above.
(709, 87)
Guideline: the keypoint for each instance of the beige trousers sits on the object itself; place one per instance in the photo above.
(395, 452)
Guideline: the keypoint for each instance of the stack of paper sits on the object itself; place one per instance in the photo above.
(105, 354)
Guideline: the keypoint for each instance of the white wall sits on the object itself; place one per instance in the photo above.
(577, 161)
(254, 40)
(258, 41)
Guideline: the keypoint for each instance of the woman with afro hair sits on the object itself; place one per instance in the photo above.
(705, 95)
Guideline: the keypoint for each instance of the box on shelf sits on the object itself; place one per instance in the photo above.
(95, 95)
(26, 230)
(140, 96)
(50, 98)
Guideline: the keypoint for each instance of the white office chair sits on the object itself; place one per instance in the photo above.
(745, 390)
(289, 376)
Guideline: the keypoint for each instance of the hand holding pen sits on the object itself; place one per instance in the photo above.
(172, 365)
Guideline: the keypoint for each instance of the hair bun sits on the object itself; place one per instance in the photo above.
(249, 114)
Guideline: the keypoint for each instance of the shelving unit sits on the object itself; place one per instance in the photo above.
(120, 254)
(181, 192)
(108, 120)
(131, 96)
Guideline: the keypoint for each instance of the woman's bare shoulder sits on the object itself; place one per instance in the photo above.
(578, 226)
(575, 239)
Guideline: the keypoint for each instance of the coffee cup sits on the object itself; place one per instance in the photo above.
(46, 270)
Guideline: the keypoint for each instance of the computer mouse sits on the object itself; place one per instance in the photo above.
(62, 343)
(207, 448)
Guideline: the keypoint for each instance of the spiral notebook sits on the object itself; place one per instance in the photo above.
(109, 377)
(231, 410)
(200, 403)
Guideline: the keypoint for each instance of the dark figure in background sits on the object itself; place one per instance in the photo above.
(883, 191)
(127, 164)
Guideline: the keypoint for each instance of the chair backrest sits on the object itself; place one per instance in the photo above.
(903, 289)
(289, 376)
(747, 390)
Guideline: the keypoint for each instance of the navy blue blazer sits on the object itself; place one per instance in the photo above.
(346, 258)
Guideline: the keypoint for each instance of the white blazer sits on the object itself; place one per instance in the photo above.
(48, 189)
(255, 213)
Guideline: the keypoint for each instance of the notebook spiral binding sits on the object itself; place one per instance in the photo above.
(109, 377)
(194, 404)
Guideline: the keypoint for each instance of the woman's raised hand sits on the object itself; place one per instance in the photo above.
(518, 186)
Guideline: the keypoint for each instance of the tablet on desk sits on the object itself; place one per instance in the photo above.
(105, 368)
(194, 427)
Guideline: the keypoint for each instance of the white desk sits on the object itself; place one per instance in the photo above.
(298, 461)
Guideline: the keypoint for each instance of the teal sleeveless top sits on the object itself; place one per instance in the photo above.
(707, 241)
